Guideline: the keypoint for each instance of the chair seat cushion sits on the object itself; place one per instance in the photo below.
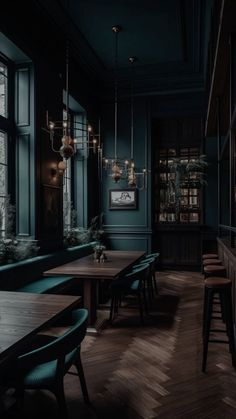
(46, 284)
(135, 285)
(45, 374)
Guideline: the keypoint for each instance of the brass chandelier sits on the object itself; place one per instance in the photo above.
(63, 129)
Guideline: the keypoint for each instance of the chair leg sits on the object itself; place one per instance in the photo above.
(80, 370)
(223, 304)
(209, 303)
(140, 307)
(149, 290)
(145, 301)
(229, 325)
(155, 284)
(112, 308)
(20, 393)
(204, 313)
(116, 305)
(61, 400)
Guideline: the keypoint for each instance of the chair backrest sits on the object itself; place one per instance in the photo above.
(141, 273)
(150, 261)
(152, 256)
(60, 346)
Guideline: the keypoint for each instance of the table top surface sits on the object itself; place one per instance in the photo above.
(24, 314)
(117, 261)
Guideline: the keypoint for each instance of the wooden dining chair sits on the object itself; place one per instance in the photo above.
(45, 366)
(132, 283)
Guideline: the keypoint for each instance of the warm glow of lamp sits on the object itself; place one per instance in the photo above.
(61, 167)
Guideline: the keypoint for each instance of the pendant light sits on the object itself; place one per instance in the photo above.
(116, 170)
(116, 166)
(134, 179)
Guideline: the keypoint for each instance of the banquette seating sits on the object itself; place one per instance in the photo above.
(27, 275)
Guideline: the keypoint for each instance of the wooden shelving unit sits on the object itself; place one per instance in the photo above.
(190, 196)
(177, 230)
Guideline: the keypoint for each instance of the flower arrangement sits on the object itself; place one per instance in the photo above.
(99, 254)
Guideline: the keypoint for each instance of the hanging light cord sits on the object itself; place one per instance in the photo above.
(132, 115)
(67, 87)
(116, 31)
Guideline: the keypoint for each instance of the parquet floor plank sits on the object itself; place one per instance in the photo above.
(151, 371)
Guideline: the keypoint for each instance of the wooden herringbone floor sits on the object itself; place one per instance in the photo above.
(151, 371)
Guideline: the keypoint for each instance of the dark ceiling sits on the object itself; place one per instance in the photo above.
(169, 38)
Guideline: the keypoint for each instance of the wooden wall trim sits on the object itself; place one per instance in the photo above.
(228, 257)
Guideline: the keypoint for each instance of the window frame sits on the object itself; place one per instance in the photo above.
(7, 127)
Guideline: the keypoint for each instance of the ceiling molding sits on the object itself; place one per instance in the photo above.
(188, 70)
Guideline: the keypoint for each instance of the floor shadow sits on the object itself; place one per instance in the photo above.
(161, 313)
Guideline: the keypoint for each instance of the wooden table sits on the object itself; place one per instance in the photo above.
(24, 314)
(90, 272)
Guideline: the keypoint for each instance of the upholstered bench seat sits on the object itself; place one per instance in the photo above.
(48, 285)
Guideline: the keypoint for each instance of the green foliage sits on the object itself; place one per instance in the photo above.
(95, 231)
(74, 235)
(13, 249)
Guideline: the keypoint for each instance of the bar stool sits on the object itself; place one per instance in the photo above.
(209, 256)
(206, 262)
(222, 287)
(214, 270)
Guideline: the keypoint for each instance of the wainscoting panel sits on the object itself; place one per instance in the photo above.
(129, 241)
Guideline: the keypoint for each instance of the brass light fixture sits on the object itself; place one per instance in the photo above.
(63, 129)
(118, 167)
(124, 168)
(116, 171)
(134, 179)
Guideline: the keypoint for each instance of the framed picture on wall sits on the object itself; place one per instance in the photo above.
(123, 199)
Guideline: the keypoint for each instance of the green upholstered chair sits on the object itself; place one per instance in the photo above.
(151, 281)
(132, 283)
(45, 366)
(154, 268)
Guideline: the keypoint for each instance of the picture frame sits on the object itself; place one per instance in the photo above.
(123, 199)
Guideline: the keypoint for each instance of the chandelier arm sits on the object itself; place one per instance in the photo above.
(52, 143)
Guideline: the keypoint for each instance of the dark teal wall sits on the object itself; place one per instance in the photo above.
(133, 229)
(35, 185)
(127, 229)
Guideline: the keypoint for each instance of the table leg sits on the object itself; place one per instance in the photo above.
(90, 299)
